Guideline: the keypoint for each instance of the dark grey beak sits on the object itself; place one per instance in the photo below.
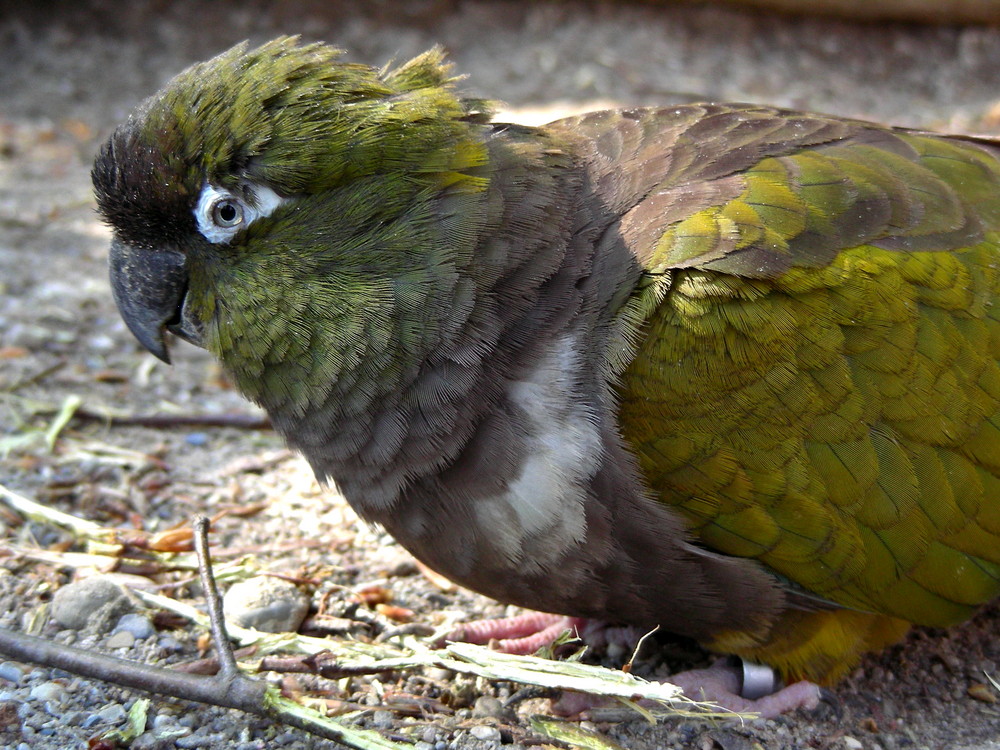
(149, 288)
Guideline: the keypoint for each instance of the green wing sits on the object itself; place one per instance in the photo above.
(818, 387)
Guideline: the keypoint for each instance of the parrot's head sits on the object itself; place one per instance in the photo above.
(283, 209)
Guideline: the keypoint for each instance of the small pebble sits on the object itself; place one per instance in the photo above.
(483, 732)
(851, 743)
(486, 707)
(48, 692)
(189, 720)
(383, 719)
(164, 721)
(11, 671)
(112, 713)
(196, 438)
(75, 603)
(140, 626)
(121, 639)
(265, 603)
(169, 644)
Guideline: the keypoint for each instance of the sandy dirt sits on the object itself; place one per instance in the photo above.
(68, 72)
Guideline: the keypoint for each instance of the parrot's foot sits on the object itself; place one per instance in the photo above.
(523, 634)
(727, 683)
(745, 687)
(732, 683)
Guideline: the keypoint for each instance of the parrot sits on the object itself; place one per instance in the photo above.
(728, 370)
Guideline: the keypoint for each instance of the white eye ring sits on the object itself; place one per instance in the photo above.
(221, 213)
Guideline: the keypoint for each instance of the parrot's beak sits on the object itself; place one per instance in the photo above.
(149, 288)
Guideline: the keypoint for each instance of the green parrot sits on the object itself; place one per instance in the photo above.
(725, 369)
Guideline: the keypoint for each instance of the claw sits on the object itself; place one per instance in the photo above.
(832, 701)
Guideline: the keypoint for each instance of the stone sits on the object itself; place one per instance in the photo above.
(266, 603)
(90, 600)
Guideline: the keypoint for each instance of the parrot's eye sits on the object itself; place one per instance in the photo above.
(222, 213)
(227, 213)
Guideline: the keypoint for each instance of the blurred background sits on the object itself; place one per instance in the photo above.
(69, 71)
(90, 60)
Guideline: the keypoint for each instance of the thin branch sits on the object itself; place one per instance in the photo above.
(243, 694)
(29, 648)
(224, 650)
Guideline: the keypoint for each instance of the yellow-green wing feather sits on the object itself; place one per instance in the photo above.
(819, 388)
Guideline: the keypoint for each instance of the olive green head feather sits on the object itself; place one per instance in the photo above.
(293, 117)
(277, 205)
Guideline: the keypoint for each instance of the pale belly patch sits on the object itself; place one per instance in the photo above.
(542, 513)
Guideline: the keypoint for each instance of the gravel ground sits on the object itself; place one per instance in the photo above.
(70, 71)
